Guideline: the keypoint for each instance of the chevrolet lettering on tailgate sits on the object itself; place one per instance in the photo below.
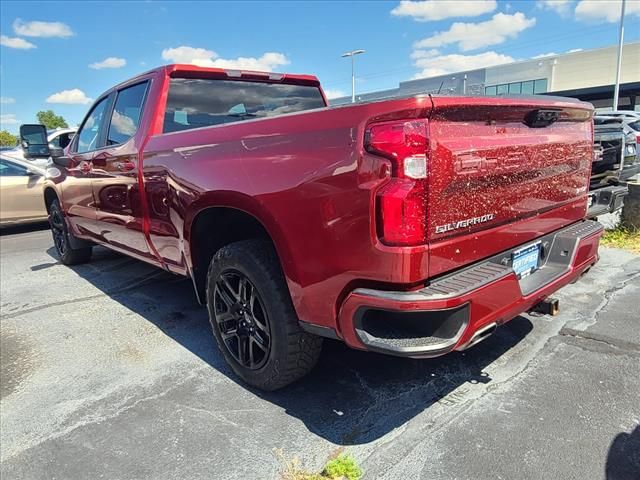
(468, 222)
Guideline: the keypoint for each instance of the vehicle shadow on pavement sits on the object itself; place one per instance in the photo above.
(27, 228)
(351, 397)
(623, 459)
(355, 397)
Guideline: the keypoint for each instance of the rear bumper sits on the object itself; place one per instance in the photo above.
(456, 310)
(606, 200)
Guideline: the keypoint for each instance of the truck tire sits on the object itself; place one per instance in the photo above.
(253, 319)
(64, 240)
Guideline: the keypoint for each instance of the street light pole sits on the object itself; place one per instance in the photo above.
(352, 54)
(616, 88)
(353, 79)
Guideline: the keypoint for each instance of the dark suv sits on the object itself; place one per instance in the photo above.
(615, 161)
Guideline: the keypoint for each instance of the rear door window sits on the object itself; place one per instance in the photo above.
(126, 114)
(194, 103)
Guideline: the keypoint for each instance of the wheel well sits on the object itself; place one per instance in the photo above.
(49, 196)
(214, 228)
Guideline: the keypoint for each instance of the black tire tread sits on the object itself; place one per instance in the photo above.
(302, 348)
(72, 256)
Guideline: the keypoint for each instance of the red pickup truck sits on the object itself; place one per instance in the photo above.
(411, 227)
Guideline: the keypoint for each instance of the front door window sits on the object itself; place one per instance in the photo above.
(91, 131)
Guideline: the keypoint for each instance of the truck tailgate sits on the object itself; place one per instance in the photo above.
(496, 161)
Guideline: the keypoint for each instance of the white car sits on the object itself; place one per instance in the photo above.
(60, 138)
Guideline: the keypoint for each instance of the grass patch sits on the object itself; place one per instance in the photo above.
(622, 237)
(343, 466)
(338, 468)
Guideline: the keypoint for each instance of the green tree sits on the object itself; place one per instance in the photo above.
(7, 139)
(51, 120)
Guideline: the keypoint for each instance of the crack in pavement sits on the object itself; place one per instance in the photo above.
(606, 339)
(607, 295)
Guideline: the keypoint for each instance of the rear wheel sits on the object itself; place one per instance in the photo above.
(253, 319)
(62, 238)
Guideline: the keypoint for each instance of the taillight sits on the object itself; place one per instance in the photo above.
(401, 203)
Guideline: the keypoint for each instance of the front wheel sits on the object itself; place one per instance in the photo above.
(253, 319)
(62, 238)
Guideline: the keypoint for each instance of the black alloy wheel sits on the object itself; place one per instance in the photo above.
(242, 319)
(253, 318)
(70, 249)
(58, 231)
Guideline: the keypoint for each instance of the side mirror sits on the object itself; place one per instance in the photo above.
(62, 161)
(33, 139)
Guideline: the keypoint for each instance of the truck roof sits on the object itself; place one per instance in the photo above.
(181, 69)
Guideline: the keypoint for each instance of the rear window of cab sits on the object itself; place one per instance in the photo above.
(195, 103)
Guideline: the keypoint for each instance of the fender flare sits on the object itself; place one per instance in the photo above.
(246, 204)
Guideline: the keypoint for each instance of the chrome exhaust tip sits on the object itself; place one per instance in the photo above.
(480, 335)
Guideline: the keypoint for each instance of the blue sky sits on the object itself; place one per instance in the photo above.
(48, 47)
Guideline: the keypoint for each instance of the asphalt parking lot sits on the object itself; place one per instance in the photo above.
(109, 370)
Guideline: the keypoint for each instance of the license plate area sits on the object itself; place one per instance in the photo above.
(526, 260)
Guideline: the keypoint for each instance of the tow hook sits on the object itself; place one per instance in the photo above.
(549, 306)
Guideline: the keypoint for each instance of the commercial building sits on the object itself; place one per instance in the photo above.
(586, 74)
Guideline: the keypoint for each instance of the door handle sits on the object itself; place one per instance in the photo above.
(125, 166)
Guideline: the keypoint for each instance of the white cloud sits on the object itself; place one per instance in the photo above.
(7, 100)
(74, 96)
(543, 55)
(420, 54)
(553, 54)
(9, 119)
(604, 10)
(334, 93)
(434, 64)
(471, 36)
(208, 58)
(432, 10)
(15, 42)
(186, 54)
(561, 7)
(42, 29)
(123, 124)
(110, 62)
